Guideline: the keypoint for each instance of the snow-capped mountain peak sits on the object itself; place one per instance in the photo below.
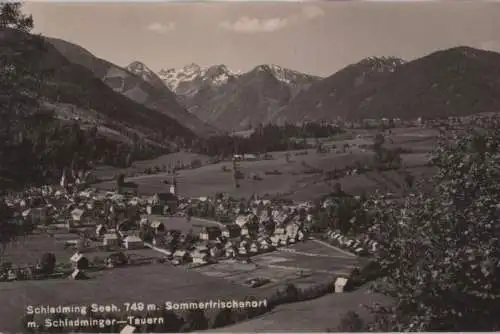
(382, 64)
(138, 68)
(144, 72)
(193, 75)
(282, 74)
(191, 68)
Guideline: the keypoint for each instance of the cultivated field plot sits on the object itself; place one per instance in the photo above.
(315, 247)
(352, 184)
(287, 265)
(146, 284)
(315, 315)
(184, 158)
(299, 262)
(238, 273)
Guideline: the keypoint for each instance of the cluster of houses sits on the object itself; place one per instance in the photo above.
(360, 246)
(116, 221)
(248, 235)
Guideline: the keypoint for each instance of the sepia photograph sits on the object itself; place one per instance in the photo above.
(239, 167)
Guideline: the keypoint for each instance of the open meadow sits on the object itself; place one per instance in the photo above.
(194, 225)
(277, 176)
(315, 315)
(147, 284)
(30, 249)
(168, 160)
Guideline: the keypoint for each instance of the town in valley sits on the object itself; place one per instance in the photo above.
(351, 191)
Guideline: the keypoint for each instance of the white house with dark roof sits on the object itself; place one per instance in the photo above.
(133, 242)
(77, 275)
(242, 220)
(111, 239)
(100, 230)
(158, 227)
(79, 261)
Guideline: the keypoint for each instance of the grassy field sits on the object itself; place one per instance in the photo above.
(146, 284)
(315, 315)
(281, 267)
(30, 249)
(180, 223)
(185, 158)
(292, 181)
(210, 179)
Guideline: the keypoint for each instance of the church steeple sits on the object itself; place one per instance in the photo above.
(173, 184)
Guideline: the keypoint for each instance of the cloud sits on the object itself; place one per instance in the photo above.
(250, 25)
(161, 28)
(312, 12)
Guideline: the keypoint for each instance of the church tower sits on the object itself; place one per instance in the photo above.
(236, 172)
(64, 179)
(173, 184)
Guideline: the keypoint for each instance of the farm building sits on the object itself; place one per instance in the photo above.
(158, 227)
(128, 330)
(80, 216)
(133, 242)
(77, 275)
(111, 239)
(100, 230)
(155, 209)
(169, 200)
(231, 231)
(249, 157)
(199, 258)
(292, 231)
(158, 241)
(265, 244)
(202, 248)
(210, 233)
(116, 259)
(216, 252)
(231, 251)
(127, 188)
(242, 220)
(254, 248)
(250, 230)
(79, 261)
(126, 225)
(181, 256)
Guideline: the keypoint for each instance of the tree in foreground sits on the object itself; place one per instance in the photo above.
(441, 255)
(351, 322)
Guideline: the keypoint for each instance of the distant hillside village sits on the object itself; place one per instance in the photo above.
(121, 220)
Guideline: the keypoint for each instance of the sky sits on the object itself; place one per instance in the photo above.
(317, 38)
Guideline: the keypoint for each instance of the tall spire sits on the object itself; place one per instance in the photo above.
(173, 183)
(64, 179)
(235, 173)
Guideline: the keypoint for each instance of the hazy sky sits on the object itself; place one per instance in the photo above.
(312, 37)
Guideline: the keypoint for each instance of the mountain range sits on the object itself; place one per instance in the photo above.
(75, 92)
(199, 102)
(134, 83)
(459, 81)
(233, 100)
(454, 82)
